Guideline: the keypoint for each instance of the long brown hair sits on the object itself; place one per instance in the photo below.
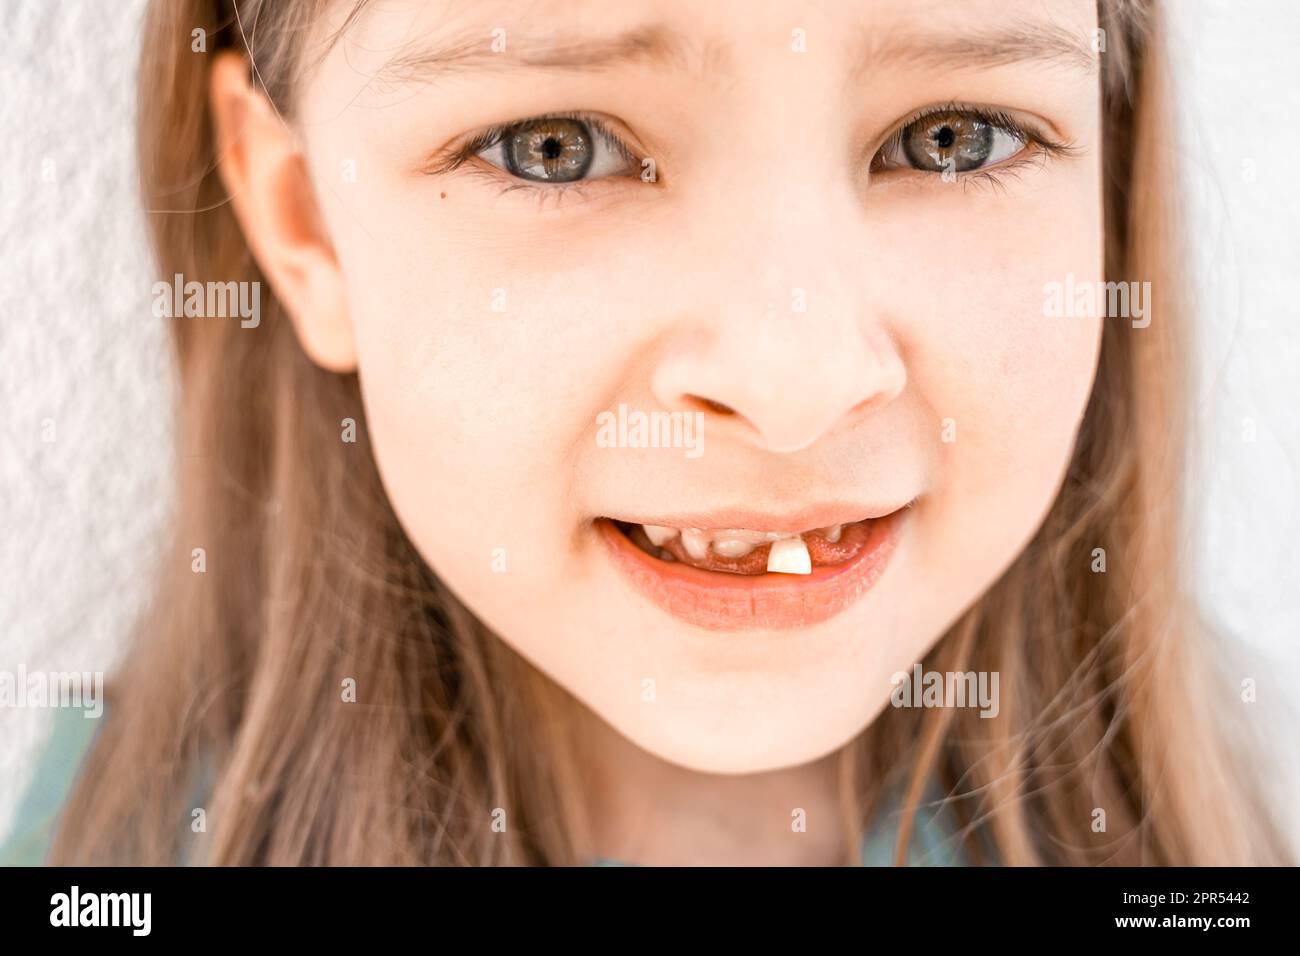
(231, 700)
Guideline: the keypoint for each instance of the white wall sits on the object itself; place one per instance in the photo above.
(79, 348)
(1235, 64)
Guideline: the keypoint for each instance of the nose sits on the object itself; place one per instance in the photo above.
(779, 378)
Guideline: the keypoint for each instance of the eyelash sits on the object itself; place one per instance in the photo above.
(1038, 148)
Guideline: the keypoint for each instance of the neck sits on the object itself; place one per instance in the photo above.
(647, 811)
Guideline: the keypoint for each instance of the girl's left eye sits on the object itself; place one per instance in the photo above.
(556, 150)
(954, 141)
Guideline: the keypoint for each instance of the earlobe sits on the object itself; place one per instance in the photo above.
(271, 193)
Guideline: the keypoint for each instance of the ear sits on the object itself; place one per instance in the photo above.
(271, 193)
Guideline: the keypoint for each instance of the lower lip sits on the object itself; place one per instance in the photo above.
(734, 602)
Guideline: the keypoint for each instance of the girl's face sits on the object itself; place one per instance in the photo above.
(729, 223)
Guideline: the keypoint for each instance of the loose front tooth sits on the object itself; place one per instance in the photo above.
(696, 543)
(659, 535)
(832, 534)
(733, 546)
(789, 556)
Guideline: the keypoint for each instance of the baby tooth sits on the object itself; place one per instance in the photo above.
(832, 534)
(733, 546)
(789, 556)
(696, 543)
(658, 534)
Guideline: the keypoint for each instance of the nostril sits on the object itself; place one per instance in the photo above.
(710, 405)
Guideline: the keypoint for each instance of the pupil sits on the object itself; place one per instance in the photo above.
(551, 148)
(944, 137)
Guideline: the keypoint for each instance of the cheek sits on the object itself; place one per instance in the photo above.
(480, 394)
(1006, 383)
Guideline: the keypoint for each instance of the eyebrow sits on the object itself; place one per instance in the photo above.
(472, 52)
(991, 47)
(983, 49)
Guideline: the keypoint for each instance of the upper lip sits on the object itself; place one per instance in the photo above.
(804, 519)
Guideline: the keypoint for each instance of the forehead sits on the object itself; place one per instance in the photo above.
(415, 39)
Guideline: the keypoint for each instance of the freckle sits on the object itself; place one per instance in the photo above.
(444, 195)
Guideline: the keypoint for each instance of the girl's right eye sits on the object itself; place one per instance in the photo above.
(556, 149)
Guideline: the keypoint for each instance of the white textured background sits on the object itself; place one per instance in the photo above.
(80, 348)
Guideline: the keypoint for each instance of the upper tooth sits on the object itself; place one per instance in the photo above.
(696, 543)
(789, 556)
(659, 535)
(733, 545)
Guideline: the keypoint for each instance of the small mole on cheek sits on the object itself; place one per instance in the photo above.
(444, 195)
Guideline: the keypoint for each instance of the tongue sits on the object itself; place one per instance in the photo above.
(822, 552)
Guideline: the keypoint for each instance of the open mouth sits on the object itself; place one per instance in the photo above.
(741, 551)
(724, 577)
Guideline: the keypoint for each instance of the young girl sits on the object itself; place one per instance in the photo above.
(670, 433)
